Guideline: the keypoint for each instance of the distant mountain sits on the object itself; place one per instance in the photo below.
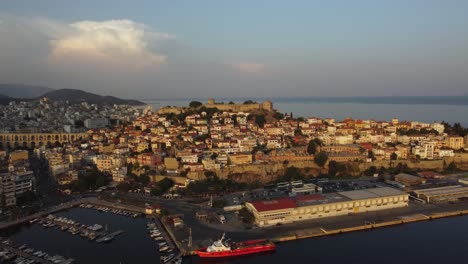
(77, 96)
(4, 100)
(23, 91)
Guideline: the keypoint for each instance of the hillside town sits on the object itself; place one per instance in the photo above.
(129, 146)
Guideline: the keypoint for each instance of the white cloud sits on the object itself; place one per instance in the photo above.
(248, 67)
(121, 42)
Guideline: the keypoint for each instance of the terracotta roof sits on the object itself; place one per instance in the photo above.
(276, 204)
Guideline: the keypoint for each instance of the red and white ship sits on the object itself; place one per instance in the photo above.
(222, 249)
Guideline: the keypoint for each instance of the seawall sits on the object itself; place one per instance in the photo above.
(319, 232)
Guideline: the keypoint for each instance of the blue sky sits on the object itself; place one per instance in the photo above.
(237, 48)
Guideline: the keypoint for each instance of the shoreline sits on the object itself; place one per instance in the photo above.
(303, 231)
(320, 232)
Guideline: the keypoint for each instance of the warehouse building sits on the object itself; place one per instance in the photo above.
(409, 180)
(289, 210)
(442, 194)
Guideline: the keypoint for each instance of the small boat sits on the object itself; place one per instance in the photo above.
(34, 220)
(104, 239)
(165, 259)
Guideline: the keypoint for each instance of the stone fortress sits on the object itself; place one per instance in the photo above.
(266, 105)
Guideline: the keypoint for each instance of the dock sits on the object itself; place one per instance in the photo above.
(169, 238)
(83, 230)
(109, 237)
(46, 259)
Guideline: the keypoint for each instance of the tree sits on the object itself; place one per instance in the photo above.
(100, 181)
(393, 157)
(195, 104)
(370, 171)
(278, 115)
(332, 168)
(246, 215)
(145, 179)
(452, 167)
(320, 159)
(260, 120)
(210, 174)
(312, 147)
(249, 102)
(123, 186)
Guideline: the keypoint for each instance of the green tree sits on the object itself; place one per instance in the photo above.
(332, 168)
(452, 167)
(320, 159)
(312, 147)
(195, 104)
(144, 178)
(100, 181)
(123, 186)
(260, 120)
(249, 102)
(246, 215)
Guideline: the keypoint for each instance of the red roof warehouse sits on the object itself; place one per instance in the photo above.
(277, 204)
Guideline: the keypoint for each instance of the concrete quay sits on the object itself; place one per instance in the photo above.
(404, 219)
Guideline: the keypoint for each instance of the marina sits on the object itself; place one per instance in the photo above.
(166, 247)
(105, 209)
(133, 246)
(22, 254)
(91, 232)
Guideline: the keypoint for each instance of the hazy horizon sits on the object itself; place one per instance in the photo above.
(169, 49)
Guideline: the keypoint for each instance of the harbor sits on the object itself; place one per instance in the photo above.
(126, 241)
(93, 232)
(22, 254)
(161, 239)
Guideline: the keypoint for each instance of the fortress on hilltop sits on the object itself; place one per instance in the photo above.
(266, 105)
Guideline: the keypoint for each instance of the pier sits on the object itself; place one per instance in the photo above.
(75, 228)
(400, 220)
(21, 252)
(65, 206)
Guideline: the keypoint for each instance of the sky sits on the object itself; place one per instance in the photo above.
(263, 48)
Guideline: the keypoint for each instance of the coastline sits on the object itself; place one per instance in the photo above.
(320, 232)
(301, 230)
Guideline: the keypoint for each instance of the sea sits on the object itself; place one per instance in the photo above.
(451, 109)
(430, 242)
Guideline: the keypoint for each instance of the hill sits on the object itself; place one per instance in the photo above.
(23, 91)
(77, 96)
(4, 100)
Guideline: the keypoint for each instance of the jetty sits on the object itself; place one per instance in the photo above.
(11, 251)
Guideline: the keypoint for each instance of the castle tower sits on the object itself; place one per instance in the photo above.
(267, 105)
(211, 101)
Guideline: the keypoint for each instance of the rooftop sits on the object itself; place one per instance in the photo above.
(305, 200)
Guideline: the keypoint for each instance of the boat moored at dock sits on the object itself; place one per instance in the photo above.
(223, 249)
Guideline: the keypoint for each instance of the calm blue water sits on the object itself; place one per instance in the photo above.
(440, 241)
(424, 109)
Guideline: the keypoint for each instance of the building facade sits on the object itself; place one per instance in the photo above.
(289, 210)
